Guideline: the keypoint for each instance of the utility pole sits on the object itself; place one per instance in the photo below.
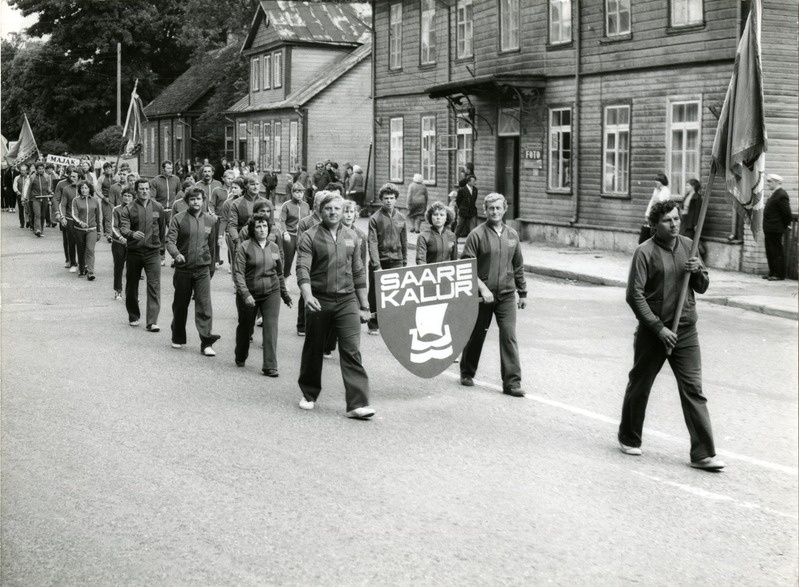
(119, 84)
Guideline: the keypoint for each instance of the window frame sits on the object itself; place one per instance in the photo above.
(670, 128)
(688, 23)
(621, 194)
(618, 34)
(464, 129)
(294, 146)
(559, 42)
(507, 13)
(277, 69)
(428, 137)
(266, 137)
(461, 27)
(255, 68)
(395, 37)
(427, 24)
(266, 81)
(392, 151)
(550, 127)
(277, 146)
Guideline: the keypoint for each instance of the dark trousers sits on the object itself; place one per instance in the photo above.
(686, 363)
(148, 260)
(217, 246)
(198, 282)
(108, 210)
(231, 249)
(504, 308)
(774, 254)
(270, 310)
(68, 239)
(21, 210)
(40, 210)
(119, 252)
(465, 226)
(301, 315)
(372, 296)
(289, 248)
(340, 314)
(85, 240)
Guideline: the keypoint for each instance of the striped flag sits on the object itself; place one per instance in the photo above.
(25, 148)
(740, 144)
(133, 133)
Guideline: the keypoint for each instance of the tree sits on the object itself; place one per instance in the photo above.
(108, 141)
(54, 147)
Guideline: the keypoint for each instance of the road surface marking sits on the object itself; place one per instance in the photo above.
(792, 471)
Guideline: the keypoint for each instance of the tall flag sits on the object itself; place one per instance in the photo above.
(740, 144)
(25, 148)
(3, 150)
(133, 131)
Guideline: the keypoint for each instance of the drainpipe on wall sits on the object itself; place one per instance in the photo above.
(576, 118)
(374, 112)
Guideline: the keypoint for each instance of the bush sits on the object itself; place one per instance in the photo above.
(108, 140)
(54, 147)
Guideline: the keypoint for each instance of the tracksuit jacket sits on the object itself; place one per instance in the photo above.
(332, 267)
(65, 197)
(240, 212)
(165, 189)
(41, 186)
(434, 247)
(193, 237)
(388, 238)
(257, 271)
(149, 219)
(291, 213)
(88, 210)
(500, 265)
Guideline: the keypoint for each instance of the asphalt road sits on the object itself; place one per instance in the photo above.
(127, 462)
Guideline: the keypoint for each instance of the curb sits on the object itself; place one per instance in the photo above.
(757, 308)
(574, 276)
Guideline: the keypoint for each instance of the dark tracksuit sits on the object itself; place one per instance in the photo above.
(216, 203)
(290, 215)
(258, 272)
(501, 268)
(193, 237)
(119, 247)
(106, 183)
(66, 191)
(388, 249)
(87, 215)
(304, 224)
(776, 220)
(164, 191)
(143, 254)
(240, 212)
(334, 270)
(434, 247)
(363, 251)
(231, 248)
(653, 288)
(39, 193)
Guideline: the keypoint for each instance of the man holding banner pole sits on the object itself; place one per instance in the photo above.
(500, 272)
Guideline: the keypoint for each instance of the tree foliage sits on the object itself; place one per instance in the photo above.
(108, 140)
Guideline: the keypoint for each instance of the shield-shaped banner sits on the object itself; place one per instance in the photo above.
(427, 313)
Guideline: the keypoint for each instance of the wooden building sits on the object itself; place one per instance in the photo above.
(570, 108)
(172, 116)
(310, 88)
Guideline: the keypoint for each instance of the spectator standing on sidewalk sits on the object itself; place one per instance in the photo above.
(653, 288)
(466, 201)
(661, 193)
(500, 276)
(388, 243)
(776, 220)
(417, 202)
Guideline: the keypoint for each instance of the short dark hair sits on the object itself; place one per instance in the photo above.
(335, 186)
(49, 165)
(258, 217)
(435, 207)
(662, 179)
(659, 210)
(137, 182)
(166, 162)
(193, 191)
(108, 165)
(38, 164)
(470, 176)
(388, 188)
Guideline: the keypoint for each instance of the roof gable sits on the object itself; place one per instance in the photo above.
(327, 23)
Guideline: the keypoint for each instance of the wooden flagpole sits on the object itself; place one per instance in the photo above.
(127, 120)
(694, 249)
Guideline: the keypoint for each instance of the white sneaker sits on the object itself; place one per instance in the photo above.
(328, 355)
(73, 269)
(153, 328)
(630, 450)
(209, 351)
(259, 321)
(163, 261)
(363, 413)
(176, 345)
(134, 322)
(306, 405)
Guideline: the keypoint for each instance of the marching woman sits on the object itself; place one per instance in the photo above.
(258, 276)
(88, 217)
(119, 244)
(291, 213)
(437, 243)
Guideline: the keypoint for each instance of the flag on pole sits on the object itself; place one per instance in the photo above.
(133, 131)
(4, 150)
(25, 148)
(741, 143)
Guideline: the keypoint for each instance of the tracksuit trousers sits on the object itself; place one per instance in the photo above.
(504, 308)
(85, 241)
(198, 282)
(339, 313)
(686, 363)
(270, 310)
(119, 252)
(149, 261)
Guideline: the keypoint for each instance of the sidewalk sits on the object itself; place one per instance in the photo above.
(727, 288)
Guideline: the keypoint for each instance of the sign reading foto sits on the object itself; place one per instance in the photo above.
(427, 313)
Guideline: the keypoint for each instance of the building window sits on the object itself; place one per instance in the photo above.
(277, 144)
(560, 147)
(267, 69)
(294, 160)
(267, 151)
(256, 144)
(428, 32)
(616, 150)
(509, 123)
(429, 149)
(560, 21)
(395, 150)
(508, 25)
(228, 143)
(165, 153)
(242, 154)
(465, 144)
(153, 146)
(395, 37)
(683, 155)
(179, 154)
(277, 71)
(255, 66)
(686, 12)
(617, 17)
(465, 28)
